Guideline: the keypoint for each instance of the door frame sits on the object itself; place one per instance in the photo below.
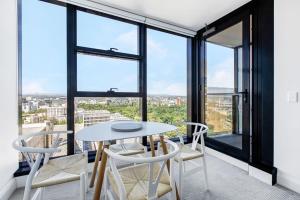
(242, 14)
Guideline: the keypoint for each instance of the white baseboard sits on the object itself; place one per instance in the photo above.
(233, 161)
(252, 171)
(288, 181)
(260, 175)
(7, 190)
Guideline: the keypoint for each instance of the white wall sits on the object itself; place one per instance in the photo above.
(8, 90)
(287, 79)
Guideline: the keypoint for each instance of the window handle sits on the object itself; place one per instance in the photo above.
(112, 90)
(244, 94)
(113, 49)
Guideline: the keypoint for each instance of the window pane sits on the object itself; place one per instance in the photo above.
(90, 111)
(44, 80)
(220, 87)
(167, 78)
(224, 81)
(96, 73)
(225, 78)
(103, 33)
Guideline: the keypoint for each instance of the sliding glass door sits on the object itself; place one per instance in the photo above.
(227, 88)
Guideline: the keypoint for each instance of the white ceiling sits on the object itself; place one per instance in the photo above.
(190, 14)
(230, 37)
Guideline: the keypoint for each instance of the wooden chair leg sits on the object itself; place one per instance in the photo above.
(100, 177)
(152, 146)
(165, 151)
(100, 146)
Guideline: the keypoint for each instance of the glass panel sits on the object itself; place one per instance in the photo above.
(224, 84)
(167, 79)
(44, 80)
(95, 73)
(239, 123)
(90, 111)
(103, 33)
(220, 87)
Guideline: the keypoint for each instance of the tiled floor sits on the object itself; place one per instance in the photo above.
(226, 182)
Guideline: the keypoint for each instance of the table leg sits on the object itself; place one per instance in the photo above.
(165, 151)
(100, 145)
(152, 146)
(101, 173)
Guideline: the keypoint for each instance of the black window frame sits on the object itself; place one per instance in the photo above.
(242, 14)
(141, 58)
(263, 63)
(73, 50)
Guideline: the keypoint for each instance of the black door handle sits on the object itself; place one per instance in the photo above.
(244, 94)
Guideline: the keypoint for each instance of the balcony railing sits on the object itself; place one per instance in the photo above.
(222, 113)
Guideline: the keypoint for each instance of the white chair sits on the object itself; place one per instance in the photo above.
(122, 148)
(188, 153)
(128, 148)
(148, 178)
(54, 171)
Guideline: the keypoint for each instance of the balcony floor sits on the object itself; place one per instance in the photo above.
(226, 183)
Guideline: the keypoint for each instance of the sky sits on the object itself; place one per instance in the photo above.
(220, 66)
(44, 64)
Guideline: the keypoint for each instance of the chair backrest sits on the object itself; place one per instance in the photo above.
(199, 131)
(152, 163)
(20, 144)
(28, 152)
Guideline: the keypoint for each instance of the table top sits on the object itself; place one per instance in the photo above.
(103, 131)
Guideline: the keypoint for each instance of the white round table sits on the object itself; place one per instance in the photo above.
(102, 132)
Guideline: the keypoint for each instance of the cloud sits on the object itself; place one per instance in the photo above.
(223, 75)
(130, 79)
(155, 48)
(167, 88)
(176, 89)
(33, 87)
(127, 40)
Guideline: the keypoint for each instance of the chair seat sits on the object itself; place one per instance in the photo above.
(135, 179)
(127, 149)
(60, 170)
(186, 153)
